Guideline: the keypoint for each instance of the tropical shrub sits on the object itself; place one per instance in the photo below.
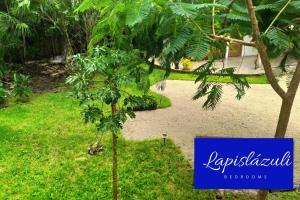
(3, 95)
(20, 87)
(16, 84)
(146, 103)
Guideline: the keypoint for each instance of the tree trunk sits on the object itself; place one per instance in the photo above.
(284, 117)
(115, 158)
(287, 104)
(282, 125)
(262, 50)
(287, 97)
(262, 194)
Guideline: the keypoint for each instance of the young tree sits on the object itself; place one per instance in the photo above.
(108, 105)
(280, 42)
(156, 32)
(163, 29)
(288, 96)
(281, 34)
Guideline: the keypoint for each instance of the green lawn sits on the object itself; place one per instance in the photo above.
(158, 74)
(43, 156)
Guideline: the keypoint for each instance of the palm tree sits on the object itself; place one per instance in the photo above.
(16, 22)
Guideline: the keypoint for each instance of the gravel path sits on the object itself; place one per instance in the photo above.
(253, 116)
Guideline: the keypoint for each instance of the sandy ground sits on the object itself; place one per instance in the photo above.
(253, 116)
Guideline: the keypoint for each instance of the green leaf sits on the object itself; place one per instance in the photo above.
(240, 8)
(204, 70)
(178, 41)
(200, 48)
(189, 10)
(214, 96)
(91, 113)
(237, 17)
(137, 11)
(109, 95)
(295, 4)
(90, 4)
(202, 90)
(278, 38)
(264, 7)
(109, 124)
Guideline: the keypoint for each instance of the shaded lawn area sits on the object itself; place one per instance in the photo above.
(43, 156)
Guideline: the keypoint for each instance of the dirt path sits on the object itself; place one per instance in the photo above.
(253, 116)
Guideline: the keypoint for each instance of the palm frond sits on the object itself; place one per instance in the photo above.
(239, 82)
(204, 70)
(189, 10)
(240, 8)
(178, 41)
(202, 90)
(263, 7)
(237, 17)
(10, 23)
(213, 97)
(200, 48)
(295, 4)
(278, 38)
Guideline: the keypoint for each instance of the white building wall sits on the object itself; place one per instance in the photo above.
(247, 50)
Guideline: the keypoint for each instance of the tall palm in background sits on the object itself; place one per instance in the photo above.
(16, 21)
(28, 23)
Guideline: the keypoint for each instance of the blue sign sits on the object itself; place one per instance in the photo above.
(243, 163)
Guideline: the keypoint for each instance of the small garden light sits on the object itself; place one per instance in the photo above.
(165, 137)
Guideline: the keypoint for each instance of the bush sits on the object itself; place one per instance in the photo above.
(16, 84)
(186, 63)
(148, 104)
(3, 70)
(3, 95)
(20, 87)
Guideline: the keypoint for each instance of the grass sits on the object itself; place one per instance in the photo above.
(43, 156)
(158, 75)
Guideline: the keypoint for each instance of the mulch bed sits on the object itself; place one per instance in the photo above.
(46, 77)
